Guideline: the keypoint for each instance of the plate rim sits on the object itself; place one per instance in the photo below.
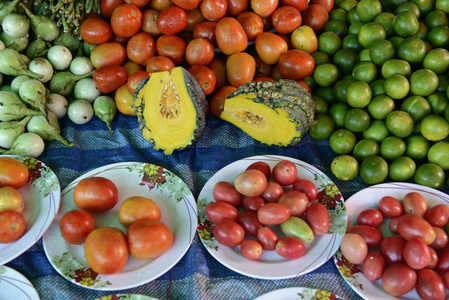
(24, 281)
(293, 289)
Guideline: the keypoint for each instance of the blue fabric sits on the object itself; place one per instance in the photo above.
(198, 275)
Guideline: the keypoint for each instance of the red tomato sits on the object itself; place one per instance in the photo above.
(267, 238)
(236, 7)
(160, 5)
(304, 85)
(430, 285)
(106, 250)
(399, 279)
(12, 226)
(354, 248)
(433, 259)
(194, 17)
(250, 183)
(410, 226)
(273, 192)
(438, 215)
(296, 200)
(298, 4)
(414, 203)
(148, 239)
(374, 266)
(251, 23)
(262, 69)
(13, 172)
(286, 19)
(206, 30)
(250, 223)
(393, 225)
(226, 192)
(218, 66)
(372, 235)
(205, 77)
(218, 99)
(140, 48)
(290, 247)
(159, 63)
(108, 54)
(149, 17)
(416, 253)
(371, 216)
(229, 233)
(441, 239)
(95, 194)
(173, 47)
(187, 4)
(218, 211)
(269, 47)
(390, 207)
(136, 208)
(261, 166)
(296, 64)
(446, 279)
(251, 249)
(392, 248)
(276, 72)
(108, 6)
(126, 20)
(95, 31)
(75, 226)
(264, 8)
(273, 213)
(317, 217)
(134, 79)
(230, 36)
(307, 187)
(328, 4)
(171, 20)
(199, 51)
(443, 261)
(240, 68)
(315, 16)
(110, 78)
(285, 172)
(252, 203)
(213, 10)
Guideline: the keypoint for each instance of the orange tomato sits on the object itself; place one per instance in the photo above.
(137, 208)
(134, 79)
(230, 35)
(205, 77)
(270, 47)
(108, 54)
(240, 68)
(12, 226)
(264, 8)
(95, 194)
(141, 47)
(124, 100)
(159, 63)
(173, 47)
(13, 172)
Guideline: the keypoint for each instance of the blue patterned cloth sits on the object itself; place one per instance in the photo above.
(197, 275)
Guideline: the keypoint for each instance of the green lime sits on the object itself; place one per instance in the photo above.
(437, 60)
(377, 131)
(368, 10)
(422, 32)
(392, 147)
(344, 167)
(438, 37)
(417, 107)
(386, 20)
(443, 83)
(396, 66)
(412, 49)
(310, 81)
(391, 5)
(321, 106)
(351, 42)
(346, 5)
(373, 170)
(325, 92)
(396, 86)
(436, 18)
(381, 106)
(337, 26)
(430, 175)
(338, 111)
(364, 55)
(357, 120)
(353, 16)
(438, 102)
(405, 24)
(434, 127)
(338, 14)
(329, 42)
(365, 71)
(365, 148)
(425, 6)
(442, 5)
(439, 155)
(325, 74)
(342, 141)
(370, 33)
(417, 146)
(358, 94)
(402, 169)
(396, 40)
(377, 87)
(399, 123)
(323, 127)
(381, 51)
(446, 113)
(354, 28)
(345, 60)
(320, 57)
(423, 82)
(341, 88)
(408, 6)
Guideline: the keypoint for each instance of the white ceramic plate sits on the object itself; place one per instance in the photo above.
(129, 297)
(270, 265)
(15, 285)
(41, 196)
(368, 198)
(298, 293)
(178, 210)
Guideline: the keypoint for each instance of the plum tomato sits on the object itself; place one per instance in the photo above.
(392, 248)
(230, 35)
(437, 215)
(229, 233)
(393, 225)
(106, 250)
(374, 266)
(110, 78)
(315, 16)
(270, 47)
(372, 217)
(218, 66)
(75, 226)
(159, 63)
(171, 20)
(441, 239)
(443, 261)
(251, 249)
(199, 51)
(240, 68)
(13, 172)
(95, 31)
(136, 208)
(414, 203)
(267, 238)
(160, 5)
(433, 259)
(134, 80)
(410, 226)
(286, 19)
(206, 30)
(296, 200)
(399, 279)
(148, 239)
(430, 285)
(236, 7)
(446, 279)
(261, 166)
(95, 194)
(226, 192)
(273, 213)
(218, 99)
(12, 226)
(11, 199)
(372, 235)
(213, 10)
(318, 218)
(390, 207)
(108, 6)
(173, 47)
(298, 4)
(250, 223)
(126, 20)
(149, 17)
(140, 48)
(264, 8)
(218, 211)
(252, 23)
(273, 192)
(205, 77)
(252, 203)
(307, 187)
(290, 247)
(285, 172)
(296, 64)
(250, 183)
(328, 4)
(194, 17)
(354, 248)
(108, 54)
(416, 253)
(124, 101)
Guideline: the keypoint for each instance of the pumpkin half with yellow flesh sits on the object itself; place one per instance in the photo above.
(273, 112)
(171, 109)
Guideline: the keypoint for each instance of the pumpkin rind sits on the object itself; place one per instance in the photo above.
(171, 109)
(272, 112)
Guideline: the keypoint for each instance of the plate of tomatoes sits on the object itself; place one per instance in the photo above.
(29, 197)
(253, 237)
(121, 226)
(399, 229)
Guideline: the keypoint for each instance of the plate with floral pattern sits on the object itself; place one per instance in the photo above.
(368, 198)
(179, 213)
(41, 197)
(12, 283)
(126, 297)
(299, 293)
(271, 265)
